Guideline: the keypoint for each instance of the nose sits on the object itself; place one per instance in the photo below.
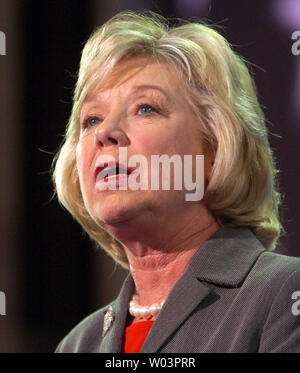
(110, 134)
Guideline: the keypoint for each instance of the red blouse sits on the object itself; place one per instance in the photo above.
(135, 335)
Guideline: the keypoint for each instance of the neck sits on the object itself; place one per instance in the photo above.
(160, 246)
(156, 272)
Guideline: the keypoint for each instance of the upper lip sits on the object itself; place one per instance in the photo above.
(100, 166)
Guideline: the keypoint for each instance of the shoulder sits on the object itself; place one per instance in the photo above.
(276, 268)
(85, 336)
(273, 276)
(279, 277)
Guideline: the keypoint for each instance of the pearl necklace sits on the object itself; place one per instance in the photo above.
(143, 312)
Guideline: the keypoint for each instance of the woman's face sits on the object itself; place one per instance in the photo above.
(142, 107)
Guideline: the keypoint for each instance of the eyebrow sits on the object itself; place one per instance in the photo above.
(135, 91)
(144, 87)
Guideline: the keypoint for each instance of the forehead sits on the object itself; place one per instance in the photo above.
(137, 74)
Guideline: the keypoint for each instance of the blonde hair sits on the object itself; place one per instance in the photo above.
(242, 188)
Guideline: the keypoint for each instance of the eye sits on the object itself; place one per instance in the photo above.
(145, 109)
(90, 122)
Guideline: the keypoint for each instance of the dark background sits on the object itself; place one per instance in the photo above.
(49, 270)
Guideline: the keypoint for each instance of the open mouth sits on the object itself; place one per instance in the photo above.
(108, 171)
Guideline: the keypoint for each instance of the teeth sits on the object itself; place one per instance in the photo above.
(112, 171)
(121, 170)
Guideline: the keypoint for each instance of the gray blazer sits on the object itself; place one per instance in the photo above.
(234, 297)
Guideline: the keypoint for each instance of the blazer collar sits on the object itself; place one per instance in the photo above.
(227, 256)
(225, 259)
(113, 339)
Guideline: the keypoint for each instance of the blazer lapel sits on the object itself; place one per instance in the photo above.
(113, 338)
(224, 260)
(186, 295)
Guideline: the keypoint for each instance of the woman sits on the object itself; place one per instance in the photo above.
(201, 274)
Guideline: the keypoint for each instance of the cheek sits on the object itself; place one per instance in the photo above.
(155, 142)
(79, 159)
(83, 159)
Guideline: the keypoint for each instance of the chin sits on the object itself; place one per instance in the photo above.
(114, 213)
